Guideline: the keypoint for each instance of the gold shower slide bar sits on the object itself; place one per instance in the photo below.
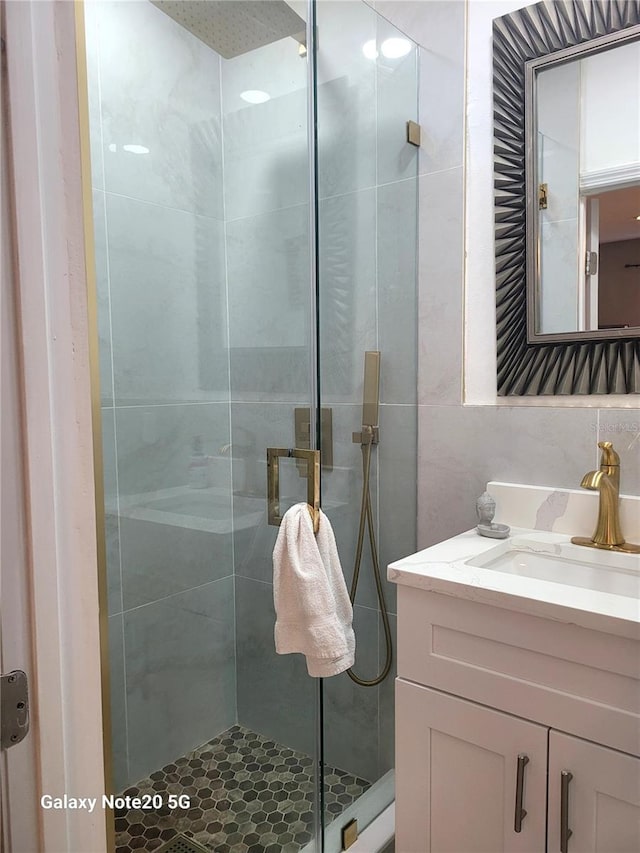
(312, 458)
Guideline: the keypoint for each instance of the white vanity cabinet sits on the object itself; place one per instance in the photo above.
(603, 808)
(457, 768)
(492, 706)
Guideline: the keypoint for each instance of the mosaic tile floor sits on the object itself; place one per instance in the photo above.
(247, 794)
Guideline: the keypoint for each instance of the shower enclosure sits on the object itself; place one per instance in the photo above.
(255, 209)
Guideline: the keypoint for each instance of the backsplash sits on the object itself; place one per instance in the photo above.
(570, 511)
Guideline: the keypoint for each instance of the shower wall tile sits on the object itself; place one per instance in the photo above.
(180, 674)
(438, 27)
(464, 447)
(103, 297)
(266, 159)
(112, 528)
(266, 171)
(342, 498)
(347, 303)
(160, 89)
(386, 700)
(118, 705)
(160, 559)
(351, 711)
(398, 510)
(155, 445)
(172, 537)
(269, 307)
(276, 697)
(346, 98)
(397, 103)
(622, 427)
(91, 15)
(397, 291)
(442, 82)
(167, 304)
(440, 274)
(256, 426)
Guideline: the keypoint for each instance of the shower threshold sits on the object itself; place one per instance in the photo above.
(248, 794)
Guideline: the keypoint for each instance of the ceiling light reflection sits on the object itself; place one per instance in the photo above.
(370, 49)
(255, 96)
(394, 48)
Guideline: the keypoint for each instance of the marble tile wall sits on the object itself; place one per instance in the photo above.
(156, 126)
(461, 447)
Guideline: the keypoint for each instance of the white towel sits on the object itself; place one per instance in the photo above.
(313, 612)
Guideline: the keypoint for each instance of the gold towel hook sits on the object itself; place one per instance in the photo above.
(312, 458)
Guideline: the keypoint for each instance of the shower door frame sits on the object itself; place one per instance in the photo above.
(314, 371)
(61, 570)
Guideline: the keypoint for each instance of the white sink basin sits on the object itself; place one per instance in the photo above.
(564, 563)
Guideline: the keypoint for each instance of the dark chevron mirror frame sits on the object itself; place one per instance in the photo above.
(526, 368)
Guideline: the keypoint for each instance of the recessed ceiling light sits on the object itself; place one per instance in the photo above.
(255, 96)
(370, 49)
(638, 218)
(136, 149)
(394, 48)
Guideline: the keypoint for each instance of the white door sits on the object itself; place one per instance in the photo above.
(602, 797)
(18, 806)
(457, 769)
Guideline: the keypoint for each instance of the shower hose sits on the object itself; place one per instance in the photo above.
(366, 515)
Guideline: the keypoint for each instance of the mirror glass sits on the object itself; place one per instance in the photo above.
(587, 206)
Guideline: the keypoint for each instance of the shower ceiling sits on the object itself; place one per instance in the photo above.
(234, 27)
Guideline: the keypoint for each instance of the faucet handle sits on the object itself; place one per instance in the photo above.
(609, 455)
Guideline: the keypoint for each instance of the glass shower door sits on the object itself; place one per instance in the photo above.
(219, 337)
(367, 91)
(201, 178)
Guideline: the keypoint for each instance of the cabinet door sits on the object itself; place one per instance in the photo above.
(456, 776)
(603, 803)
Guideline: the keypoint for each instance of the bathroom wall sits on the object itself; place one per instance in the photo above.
(160, 262)
(467, 435)
(611, 132)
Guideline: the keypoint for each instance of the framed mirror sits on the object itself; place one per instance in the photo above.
(567, 182)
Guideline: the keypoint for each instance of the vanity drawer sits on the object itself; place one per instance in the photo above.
(577, 680)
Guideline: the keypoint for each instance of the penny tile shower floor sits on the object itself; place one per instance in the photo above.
(247, 794)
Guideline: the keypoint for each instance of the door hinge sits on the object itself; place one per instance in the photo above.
(414, 133)
(14, 708)
(349, 834)
(591, 263)
(543, 196)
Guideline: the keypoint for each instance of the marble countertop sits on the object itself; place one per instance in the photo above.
(444, 569)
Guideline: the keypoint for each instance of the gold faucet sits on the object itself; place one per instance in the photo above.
(606, 481)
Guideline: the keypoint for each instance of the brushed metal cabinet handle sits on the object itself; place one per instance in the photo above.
(520, 813)
(565, 832)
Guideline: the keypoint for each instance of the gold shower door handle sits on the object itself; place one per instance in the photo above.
(312, 458)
